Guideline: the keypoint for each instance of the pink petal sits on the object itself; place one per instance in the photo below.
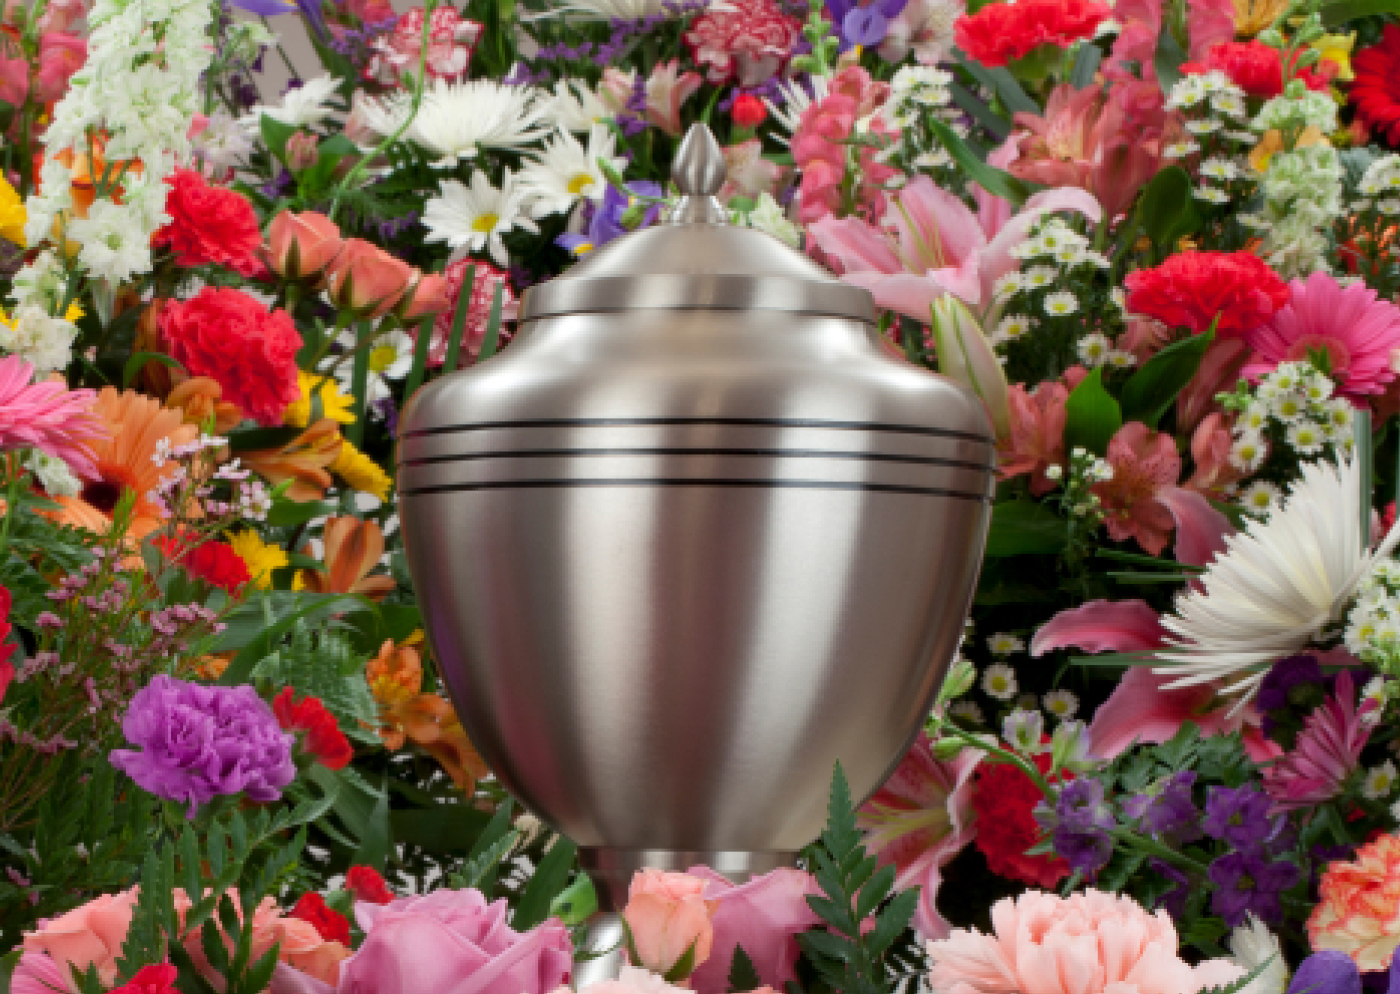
(1101, 626)
(1200, 528)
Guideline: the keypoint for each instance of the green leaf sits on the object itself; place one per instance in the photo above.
(1167, 210)
(1002, 83)
(493, 326)
(828, 944)
(576, 903)
(549, 879)
(1339, 12)
(10, 959)
(375, 840)
(893, 920)
(984, 115)
(990, 178)
(275, 135)
(1092, 416)
(246, 439)
(478, 868)
(1167, 60)
(1152, 390)
(287, 513)
(1026, 527)
(683, 967)
(873, 894)
(420, 357)
(1086, 63)
(742, 975)
(137, 362)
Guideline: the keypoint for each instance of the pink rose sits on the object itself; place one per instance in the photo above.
(90, 935)
(302, 244)
(453, 942)
(764, 916)
(367, 280)
(668, 916)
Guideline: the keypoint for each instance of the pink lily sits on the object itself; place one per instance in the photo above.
(929, 243)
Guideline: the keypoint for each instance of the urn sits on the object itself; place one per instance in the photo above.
(691, 540)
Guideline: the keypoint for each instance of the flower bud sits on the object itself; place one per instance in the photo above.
(669, 923)
(961, 675)
(1069, 746)
(1022, 731)
(748, 111)
(366, 280)
(301, 151)
(965, 356)
(301, 245)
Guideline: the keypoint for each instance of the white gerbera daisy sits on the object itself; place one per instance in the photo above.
(796, 100)
(474, 218)
(302, 107)
(576, 107)
(566, 171)
(456, 120)
(390, 358)
(1278, 583)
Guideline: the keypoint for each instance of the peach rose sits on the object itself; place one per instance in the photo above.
(668, 916)
(89, 935)
(298, 943)
(302, 244)
(367, 280)
(429, 295)
(1358, 911)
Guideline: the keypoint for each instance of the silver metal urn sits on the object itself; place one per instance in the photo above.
(690, 540)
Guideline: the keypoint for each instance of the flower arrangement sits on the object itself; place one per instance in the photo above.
(1157, 240)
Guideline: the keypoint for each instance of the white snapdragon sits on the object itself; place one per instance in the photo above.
(1294, 111)
(768, 216)
(1302, 193)
(43, 341)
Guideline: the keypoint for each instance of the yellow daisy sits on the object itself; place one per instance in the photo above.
(361, 472)
(334, 404)
(260, 558)
(12, 214)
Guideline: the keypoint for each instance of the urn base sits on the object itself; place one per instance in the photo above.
(612, 869)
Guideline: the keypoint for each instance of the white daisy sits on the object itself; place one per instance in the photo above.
(1007, 284)
(474, 218)
(999, 681)
(1010, 328)
(1061, 304)
(796, 100)
(1061, 703)
(1380, 781)
(1248, 452)
(1093, 349)
(1121, 359)
(302, 107)
(390, 358)
(1278, 583)
(1260, 497)
(1039, 276)
(1004, 644)
(456, 120)
(566, 171)
(1306, 438)
(576, 107)
(968, 711)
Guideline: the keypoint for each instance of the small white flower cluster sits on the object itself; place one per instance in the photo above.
(919, 93)
(1373, 624)
(1062, 257)
(1382, 179)
(1085, 470)
(1214, 108)
(1302, 192)
(140, 88)
(1095, 349)
(1297, 109)
(44, 341)
(1295, 400)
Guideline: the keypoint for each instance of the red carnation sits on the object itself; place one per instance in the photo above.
(7, 648)
(1191, 288)
(1252, 66)
(155, 978)
(323, 737)
(1001, 32)
(368, 885)
(210, 225)
(1376, 89)
(233, 339)
(215, 563)
(1004, 797)
(333, 926)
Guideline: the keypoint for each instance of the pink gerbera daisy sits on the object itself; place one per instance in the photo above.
(47, 416)
(1327, 751)
(1350, 325)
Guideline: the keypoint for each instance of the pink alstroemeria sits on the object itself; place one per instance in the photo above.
(1327, 751)
(667, 88)
(919, 820)
(929, 243)
(1037, 439)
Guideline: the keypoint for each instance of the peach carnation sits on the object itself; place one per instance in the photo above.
(1358, 908)
(1087, 943)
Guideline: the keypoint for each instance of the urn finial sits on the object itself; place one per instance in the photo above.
(699, 171)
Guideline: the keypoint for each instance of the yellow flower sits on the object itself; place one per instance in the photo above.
(1253, 16)
(260, 558)
(361, 472)
(74, 311)
(1273, 142)
(12, 214)
(1337, 49)
(334, 404)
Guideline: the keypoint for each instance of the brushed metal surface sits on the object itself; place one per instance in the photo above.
(678, 558)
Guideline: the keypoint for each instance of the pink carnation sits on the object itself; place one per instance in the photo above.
(451, 41)
(486, 278)
(1355, 330)
(1087, 943)
(744, 40)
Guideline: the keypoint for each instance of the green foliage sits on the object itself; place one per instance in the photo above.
(1152, 390)
(322, 664)
(1024, 527)
(1167, 210)
(855, 887)
(1092, 416)
(742, 975)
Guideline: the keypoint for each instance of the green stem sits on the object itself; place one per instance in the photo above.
(1155, 848)
(13, 477)
(1006, 756)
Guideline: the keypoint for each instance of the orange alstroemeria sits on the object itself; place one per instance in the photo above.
(429, 722)
(200, 399)
(304, 460)
(394, 676)
(353, 550)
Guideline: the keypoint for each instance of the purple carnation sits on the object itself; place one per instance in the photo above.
(199, 742)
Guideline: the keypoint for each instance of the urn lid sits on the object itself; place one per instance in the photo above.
(696, 259)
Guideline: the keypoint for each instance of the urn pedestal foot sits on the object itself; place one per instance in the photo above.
(603, 951)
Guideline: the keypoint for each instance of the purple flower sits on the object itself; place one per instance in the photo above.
(607, 220)
(863, 24)
(1328, 972)
(1174, 900)
(197, 743)
(1240, 817)
(1245, 883)
(1167, 809)
(1082, 820)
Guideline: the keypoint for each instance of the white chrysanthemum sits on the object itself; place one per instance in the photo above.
(473, 218)
(1278, 583)
(1248, 452)
(1061, 704)
(1253, 946)
(1306, 438)
(1093, 349)
(576, 107)
(456, 120)
(567, 171)
(304, 106)
(999, 681)
(796, 100)
(768, 216)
